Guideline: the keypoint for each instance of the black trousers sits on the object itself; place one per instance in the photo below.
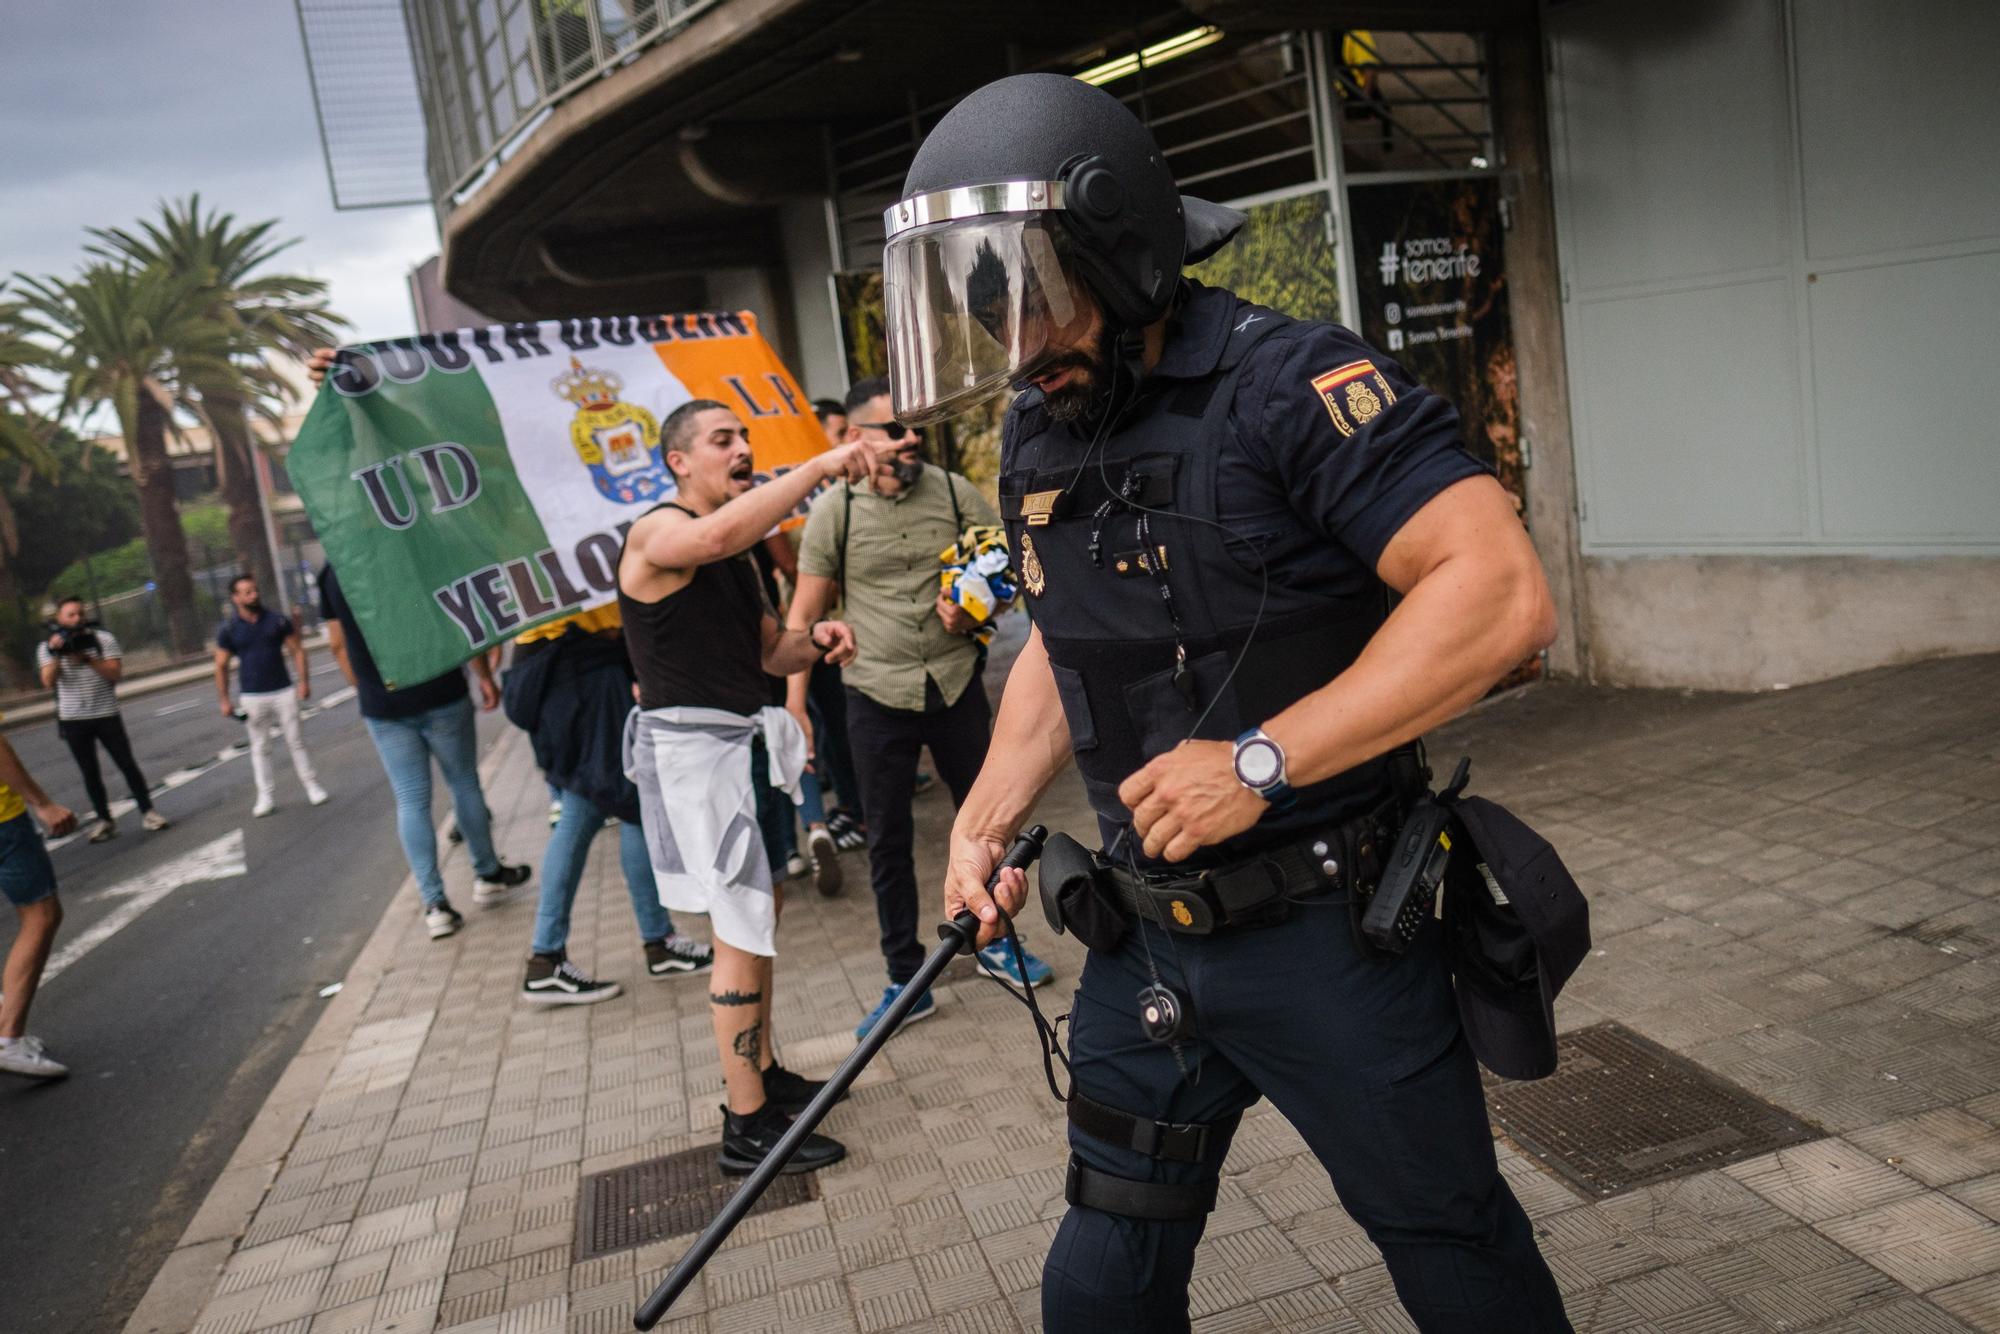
(84, 735)
(885, 743)
(838, 784)
(1364, 1056)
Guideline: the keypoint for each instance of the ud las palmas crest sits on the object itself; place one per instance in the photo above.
(619, 442)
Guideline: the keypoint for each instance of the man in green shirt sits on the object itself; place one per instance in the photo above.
(915, 681)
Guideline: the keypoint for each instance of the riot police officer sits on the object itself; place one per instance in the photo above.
(1209, 503)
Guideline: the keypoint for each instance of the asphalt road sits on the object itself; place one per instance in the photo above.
(177, 1022)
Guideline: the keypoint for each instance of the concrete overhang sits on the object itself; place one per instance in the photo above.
(673, 166)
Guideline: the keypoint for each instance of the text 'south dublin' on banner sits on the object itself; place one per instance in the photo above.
(469, 485)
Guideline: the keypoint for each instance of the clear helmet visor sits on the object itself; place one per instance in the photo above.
(973, 306)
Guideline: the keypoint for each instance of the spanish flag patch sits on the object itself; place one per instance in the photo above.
(1354, 394)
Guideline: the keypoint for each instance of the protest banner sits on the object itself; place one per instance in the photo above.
(471, 484)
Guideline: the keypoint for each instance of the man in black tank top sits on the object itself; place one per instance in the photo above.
(701, 636)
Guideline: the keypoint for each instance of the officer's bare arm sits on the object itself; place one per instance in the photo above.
(1475, 605)
(1030, 747)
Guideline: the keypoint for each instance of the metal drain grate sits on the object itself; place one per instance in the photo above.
(666, 1197)
(1621, 1112)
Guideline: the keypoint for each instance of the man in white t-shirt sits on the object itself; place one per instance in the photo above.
(83, 662)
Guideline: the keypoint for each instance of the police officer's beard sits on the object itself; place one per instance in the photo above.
(1087, 396)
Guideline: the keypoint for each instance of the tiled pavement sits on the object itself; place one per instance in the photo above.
(1799, 890)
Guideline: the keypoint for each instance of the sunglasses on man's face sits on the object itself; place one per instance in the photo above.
(894, 430)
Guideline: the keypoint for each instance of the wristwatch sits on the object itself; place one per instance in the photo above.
(1260, 766)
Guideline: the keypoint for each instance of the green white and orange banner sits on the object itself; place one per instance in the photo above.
(472, 484)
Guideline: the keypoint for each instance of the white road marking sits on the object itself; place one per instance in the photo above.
(124, 806)
(177, 708)
(216, 860)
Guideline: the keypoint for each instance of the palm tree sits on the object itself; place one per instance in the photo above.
(135, 339)
(24, 444)
(281, 313)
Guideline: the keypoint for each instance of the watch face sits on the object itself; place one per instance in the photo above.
(1257, 763)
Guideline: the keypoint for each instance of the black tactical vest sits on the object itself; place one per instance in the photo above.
(1143, 615)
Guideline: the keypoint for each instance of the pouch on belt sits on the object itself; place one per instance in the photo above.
(1074, 899)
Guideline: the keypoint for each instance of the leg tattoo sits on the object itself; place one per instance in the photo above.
(747, 1042)
(735, 998)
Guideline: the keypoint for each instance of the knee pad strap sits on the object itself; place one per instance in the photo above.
(1155, 1201)
(1174, 1141)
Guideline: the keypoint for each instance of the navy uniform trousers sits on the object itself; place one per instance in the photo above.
(1364, 1056)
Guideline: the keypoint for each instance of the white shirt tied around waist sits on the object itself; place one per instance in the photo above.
(699, 809)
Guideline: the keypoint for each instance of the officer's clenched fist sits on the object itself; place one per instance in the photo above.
(1189, 798)
(969, 863)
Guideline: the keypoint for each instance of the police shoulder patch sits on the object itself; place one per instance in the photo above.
(1354, 394)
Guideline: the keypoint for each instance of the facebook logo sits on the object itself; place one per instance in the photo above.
(1390, 262)
(1395, 340)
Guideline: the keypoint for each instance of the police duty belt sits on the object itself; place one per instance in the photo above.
(1258, 889)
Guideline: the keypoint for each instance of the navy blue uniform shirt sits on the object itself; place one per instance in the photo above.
(259, 647)
(1299, 446)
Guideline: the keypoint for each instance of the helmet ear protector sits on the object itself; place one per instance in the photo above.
(1116, 248)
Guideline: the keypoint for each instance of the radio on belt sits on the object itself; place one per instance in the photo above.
(1409, 887)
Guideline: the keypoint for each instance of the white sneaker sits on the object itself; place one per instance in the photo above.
(316, 794)
(155, 822)
(27, 1056)
(796, 867)
(104, 831)
(825, 861)
(263, 807)
(442, 921)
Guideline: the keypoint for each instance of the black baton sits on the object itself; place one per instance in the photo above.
(956, 937)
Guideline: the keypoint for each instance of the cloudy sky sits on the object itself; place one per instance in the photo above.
(111, 106)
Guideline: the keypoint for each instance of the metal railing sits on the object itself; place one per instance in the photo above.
(1413, 102)
(485, 71)
(1234, 120)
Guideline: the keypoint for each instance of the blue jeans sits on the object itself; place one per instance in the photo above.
(406, 746)
(562, 868)
(26, 873)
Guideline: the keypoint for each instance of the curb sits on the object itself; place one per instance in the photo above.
(186, 1280)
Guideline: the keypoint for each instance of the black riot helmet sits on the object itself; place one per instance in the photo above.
(1031, 185)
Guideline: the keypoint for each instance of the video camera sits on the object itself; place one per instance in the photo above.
(73, 640)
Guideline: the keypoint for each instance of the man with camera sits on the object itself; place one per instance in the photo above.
(81, 659)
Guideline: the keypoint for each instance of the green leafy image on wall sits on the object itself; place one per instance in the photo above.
(1283, 258)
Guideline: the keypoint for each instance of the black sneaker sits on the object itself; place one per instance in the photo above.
(848, 832)
(442, 920)
(492, 888)
(678, 954)
(554, 980)
(790, 1093)
(746, 1140)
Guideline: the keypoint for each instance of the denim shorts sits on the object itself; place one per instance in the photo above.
(26, 873)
